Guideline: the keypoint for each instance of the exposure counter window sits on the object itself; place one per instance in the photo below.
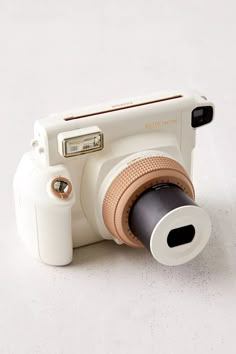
(80, 141)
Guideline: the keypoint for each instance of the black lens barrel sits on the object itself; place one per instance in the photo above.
(152, 206)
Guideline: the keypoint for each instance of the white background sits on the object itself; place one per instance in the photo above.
(60, 55)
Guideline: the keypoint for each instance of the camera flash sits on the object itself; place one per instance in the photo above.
(80, 141)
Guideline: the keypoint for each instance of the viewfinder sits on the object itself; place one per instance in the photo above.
(201, 116)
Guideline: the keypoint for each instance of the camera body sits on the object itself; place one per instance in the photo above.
(86, 170)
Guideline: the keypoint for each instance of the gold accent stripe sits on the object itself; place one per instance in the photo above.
(124, 107)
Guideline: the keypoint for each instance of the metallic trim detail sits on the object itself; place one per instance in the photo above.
(122, 107)
(130, 183)
(64, 195)
(76, 153)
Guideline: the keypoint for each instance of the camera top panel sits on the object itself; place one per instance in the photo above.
(170, 113)
(158, 102)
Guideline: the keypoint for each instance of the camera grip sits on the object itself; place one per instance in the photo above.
(55, 234)
(43, 217)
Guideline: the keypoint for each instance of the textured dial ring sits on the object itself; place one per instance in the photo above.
(139, 175)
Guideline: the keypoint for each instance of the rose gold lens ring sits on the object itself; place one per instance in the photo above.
(130, 183)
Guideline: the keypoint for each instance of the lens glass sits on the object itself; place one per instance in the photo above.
(181, 236)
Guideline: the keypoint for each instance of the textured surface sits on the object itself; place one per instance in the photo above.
(130, 182)
(113, 299)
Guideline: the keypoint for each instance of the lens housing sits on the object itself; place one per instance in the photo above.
(170, 224)
(152, 206)
(130, 182)
(162, 195)
(201, 116)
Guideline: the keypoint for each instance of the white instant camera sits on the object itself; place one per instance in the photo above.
(119, 172)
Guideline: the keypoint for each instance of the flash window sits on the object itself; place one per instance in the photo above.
(80, 141)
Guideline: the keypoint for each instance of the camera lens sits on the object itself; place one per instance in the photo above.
(169, 224)
(202, 116)
(149, 203)
(181, 235)
(152, 206)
